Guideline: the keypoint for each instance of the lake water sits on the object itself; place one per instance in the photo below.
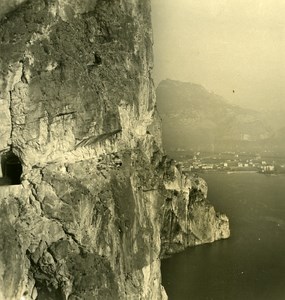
(251, 263)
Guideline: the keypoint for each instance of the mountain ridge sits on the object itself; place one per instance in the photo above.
(194, 118)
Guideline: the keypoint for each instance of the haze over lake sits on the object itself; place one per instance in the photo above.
(220, 72)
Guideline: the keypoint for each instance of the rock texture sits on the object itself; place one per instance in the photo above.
(188, 217)
(77, 108)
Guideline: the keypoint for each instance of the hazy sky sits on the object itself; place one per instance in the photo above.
(224, 45)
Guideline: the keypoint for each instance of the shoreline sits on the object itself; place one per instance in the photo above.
(233, 172)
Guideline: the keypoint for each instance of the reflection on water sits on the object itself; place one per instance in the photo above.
(249, 265)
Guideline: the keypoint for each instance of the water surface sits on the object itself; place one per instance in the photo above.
(249, 265)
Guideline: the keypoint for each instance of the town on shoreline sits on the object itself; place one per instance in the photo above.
(198, 161)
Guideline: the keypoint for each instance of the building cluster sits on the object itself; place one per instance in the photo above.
(230, 162)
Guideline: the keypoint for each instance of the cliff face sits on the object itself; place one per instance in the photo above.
(188, 217)
(78, 122)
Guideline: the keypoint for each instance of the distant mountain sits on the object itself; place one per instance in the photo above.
(193, 118)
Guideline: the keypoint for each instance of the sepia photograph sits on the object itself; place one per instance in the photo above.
(142, 150)
(219, 73)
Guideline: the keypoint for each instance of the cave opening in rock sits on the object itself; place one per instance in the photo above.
(48, 292)
(11, 167)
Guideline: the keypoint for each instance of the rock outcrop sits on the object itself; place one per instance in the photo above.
(188, 217)
(78, 117)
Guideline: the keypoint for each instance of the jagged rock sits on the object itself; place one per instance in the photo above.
(188, 217)
(79, 114)
(77, 101)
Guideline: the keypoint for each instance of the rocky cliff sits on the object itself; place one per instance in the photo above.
(85, 187)
(189, 219)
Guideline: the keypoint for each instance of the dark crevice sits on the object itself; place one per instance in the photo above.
(65, 114)
(44, 283)
(71, 235)
(11, 169)
(97, 59)
(10, 109)
(99, 138)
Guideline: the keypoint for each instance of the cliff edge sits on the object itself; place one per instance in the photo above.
(85, 187)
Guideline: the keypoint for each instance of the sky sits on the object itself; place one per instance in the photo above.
(224, 45)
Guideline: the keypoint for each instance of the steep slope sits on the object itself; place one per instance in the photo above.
(79, 125)
(188, 217)
(195, 118)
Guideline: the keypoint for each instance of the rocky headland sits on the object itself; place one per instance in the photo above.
(89, 203)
